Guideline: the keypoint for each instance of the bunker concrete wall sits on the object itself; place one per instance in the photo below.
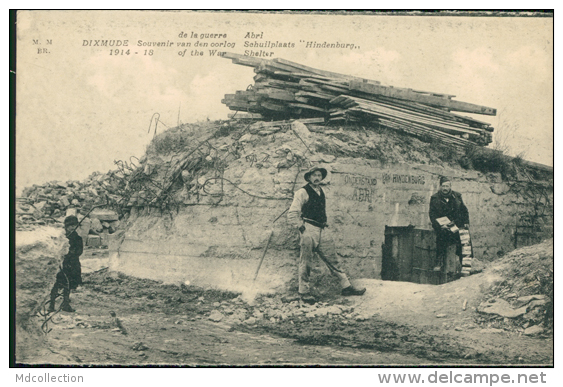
(217, 242)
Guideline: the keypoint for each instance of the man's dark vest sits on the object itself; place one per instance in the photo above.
(315, 208)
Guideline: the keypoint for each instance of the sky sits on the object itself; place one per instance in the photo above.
(80, 107)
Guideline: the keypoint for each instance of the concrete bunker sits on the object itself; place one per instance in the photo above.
(233, 190)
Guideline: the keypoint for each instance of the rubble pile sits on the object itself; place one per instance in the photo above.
(283, 89)
(214, 305)
(51, 202)
(523, 301)
(276, 309)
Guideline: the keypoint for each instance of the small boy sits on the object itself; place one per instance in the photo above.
(70, 276)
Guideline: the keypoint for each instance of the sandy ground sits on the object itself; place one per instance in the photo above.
(155, 323)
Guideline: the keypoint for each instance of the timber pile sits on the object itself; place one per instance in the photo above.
(284, 89)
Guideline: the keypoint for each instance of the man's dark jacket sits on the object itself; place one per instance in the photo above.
(454, 209)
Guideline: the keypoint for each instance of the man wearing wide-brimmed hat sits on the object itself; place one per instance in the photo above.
(447, 203)
(70, 275)
(308, 214)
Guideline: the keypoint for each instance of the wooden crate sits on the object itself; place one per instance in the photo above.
(397, 254)
(409, 254)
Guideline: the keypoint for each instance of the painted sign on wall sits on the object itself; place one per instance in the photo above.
(396, 178)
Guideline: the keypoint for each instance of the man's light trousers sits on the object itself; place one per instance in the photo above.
(315, 240)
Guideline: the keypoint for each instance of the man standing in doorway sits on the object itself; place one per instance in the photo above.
(308, 214)
(447, 203)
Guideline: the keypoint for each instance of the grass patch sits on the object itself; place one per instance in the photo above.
(185, 136)
(173, 140)
(487, 160)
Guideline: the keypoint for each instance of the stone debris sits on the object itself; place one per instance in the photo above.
(534, 330)
(492, 330)
(96, 225)
(277, 309)
(258, 315)
(216, 316)
(139, 346)
(118, 323)
(500, 307)
(50, 203)
(524, 298)
(535, 299)
(250, 321)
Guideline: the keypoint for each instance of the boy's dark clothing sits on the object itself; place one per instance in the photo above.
(452, 206)
(70, 276)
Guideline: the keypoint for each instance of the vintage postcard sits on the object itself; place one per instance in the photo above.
(246, 188)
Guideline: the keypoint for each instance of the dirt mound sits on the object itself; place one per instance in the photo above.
(523, 300)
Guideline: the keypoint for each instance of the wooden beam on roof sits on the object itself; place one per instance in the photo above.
(305, 106)
(243, 59)
(313, 70)
(273, 106)
(322, 96)
(409, 95)
(415, 106)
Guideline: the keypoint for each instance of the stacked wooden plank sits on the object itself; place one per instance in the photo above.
(411, 121)
(284, 90)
